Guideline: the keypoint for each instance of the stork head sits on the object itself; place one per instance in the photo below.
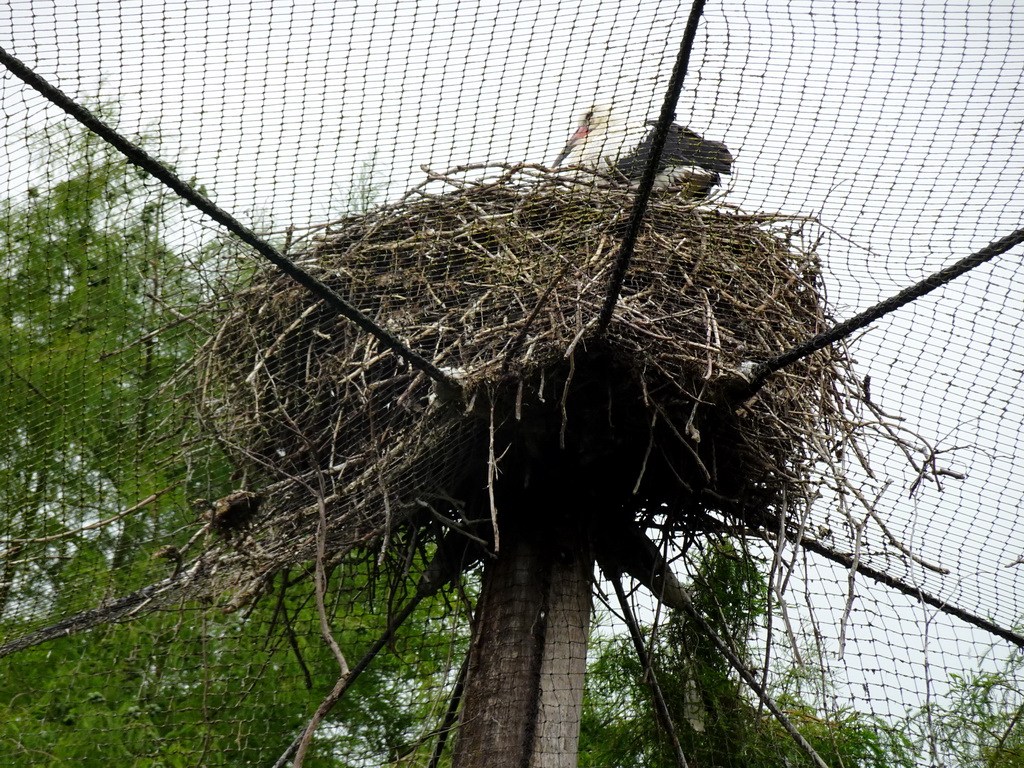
(592, 127)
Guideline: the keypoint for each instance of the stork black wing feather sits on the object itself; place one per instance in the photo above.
(682, 147)
(686, 147)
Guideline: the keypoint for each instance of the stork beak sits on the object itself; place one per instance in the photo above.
(581, 132)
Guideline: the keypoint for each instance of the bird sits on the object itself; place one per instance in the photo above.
(687, 160)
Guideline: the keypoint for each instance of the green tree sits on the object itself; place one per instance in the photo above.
(719, 721)
(97, 314)
(981, 723)
(90, 335)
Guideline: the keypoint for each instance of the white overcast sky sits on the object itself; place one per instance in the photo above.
(898, 124)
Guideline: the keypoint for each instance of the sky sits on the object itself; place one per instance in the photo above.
(899, 126)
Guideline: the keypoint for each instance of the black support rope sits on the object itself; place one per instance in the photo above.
(919, 594)
(763, 370)
(643, 194)
(136, 155)
(730, 656)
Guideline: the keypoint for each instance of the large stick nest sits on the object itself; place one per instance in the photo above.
(500, 284)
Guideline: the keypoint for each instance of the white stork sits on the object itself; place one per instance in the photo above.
(687, 160)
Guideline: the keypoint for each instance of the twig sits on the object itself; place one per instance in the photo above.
(435, 576)
(301, 743)
(99, 523)
(492, 471)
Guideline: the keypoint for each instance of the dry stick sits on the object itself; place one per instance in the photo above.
(492, 471)
(521, 337)
(638, 644)
(320, 574)
(345, 681)
(138, 156)
(774, 579)
(320, 580)
(763, 370)
(643, 193)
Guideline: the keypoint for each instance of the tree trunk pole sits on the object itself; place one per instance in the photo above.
(524, 690)
(564, 666)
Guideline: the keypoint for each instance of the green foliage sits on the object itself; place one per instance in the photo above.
(97, 314)
(982, 722)
(195, 687)
(91, 301)
(718, 720)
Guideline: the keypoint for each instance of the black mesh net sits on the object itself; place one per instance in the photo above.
(510, 474)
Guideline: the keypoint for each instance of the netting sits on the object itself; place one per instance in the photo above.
(528, 507)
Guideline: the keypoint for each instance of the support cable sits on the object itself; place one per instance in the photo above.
(917, 593)
(139, 157)
(451, 715)
(643, 193)
(762, 693)
(850, 562)
(763, 370)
